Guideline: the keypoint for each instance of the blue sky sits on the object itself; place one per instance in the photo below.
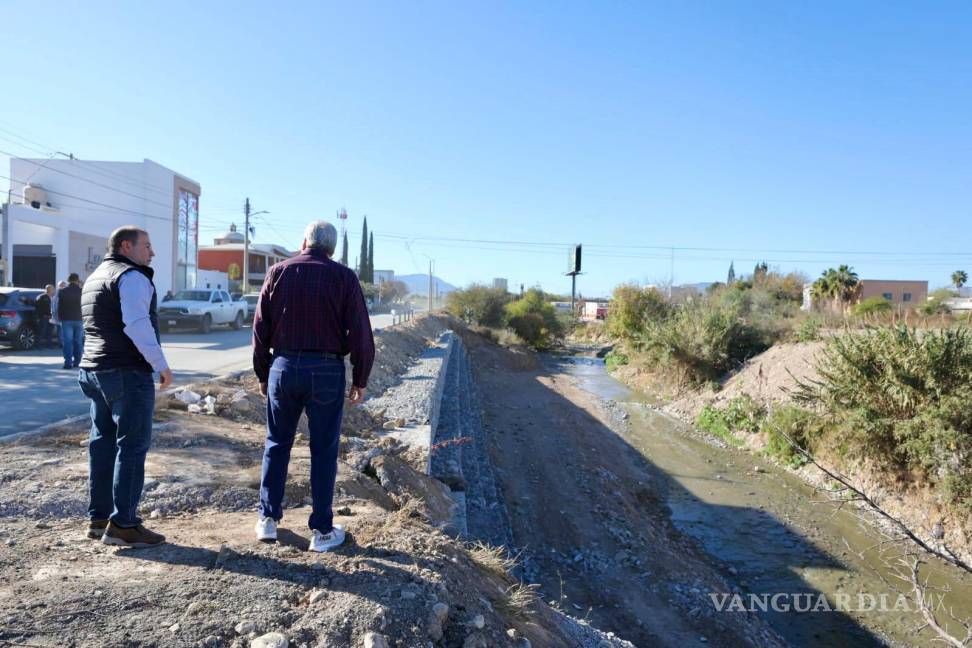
(804, 133)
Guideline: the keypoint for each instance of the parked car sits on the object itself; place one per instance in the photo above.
(201, 309)
(251, 300)
(18, 316)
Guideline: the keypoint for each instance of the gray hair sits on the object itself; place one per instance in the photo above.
(321, 234)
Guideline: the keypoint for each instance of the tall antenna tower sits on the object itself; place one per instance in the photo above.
(343, 217)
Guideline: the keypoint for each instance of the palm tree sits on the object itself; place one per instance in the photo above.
(838, 286)
(959, 277)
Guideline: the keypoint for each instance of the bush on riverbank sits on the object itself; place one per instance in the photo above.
(902, 396)
(535, 320)
(479, 304)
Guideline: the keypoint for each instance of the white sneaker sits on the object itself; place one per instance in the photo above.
(266, 529)
(327, 541)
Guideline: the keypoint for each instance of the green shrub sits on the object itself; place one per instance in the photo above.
(808, 330)
(615, 358)
(631, 307)
(535, 320)
(713, 420)
(872, 306)
(787, 421)
(741, 414)
(478, 304)
(702, 339)
(900, 395)
(935, 304)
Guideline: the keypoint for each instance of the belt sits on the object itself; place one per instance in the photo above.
(310, 353)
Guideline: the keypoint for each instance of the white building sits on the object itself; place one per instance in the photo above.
(59, 213)
(501, 284)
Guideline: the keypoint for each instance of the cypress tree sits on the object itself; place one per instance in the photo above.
(371, 257)
(344, 250)
(363, 259)
(732, 274)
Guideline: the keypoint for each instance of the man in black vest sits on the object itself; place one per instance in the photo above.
(69, 315)
(121, 350)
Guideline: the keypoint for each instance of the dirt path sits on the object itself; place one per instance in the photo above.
(584, 508)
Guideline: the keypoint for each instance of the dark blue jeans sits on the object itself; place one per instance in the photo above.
(122, 402)
(298, 383)
(45, 332)
(72, 342)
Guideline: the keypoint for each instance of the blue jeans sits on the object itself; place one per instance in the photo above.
(45, 333)
(122, 402)
(72, 342)
(298, 383)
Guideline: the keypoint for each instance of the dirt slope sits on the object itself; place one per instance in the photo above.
(582, 506)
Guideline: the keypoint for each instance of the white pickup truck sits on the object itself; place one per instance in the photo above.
(201, 309)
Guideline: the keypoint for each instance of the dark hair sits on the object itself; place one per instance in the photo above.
(73, 277)
(124, 233)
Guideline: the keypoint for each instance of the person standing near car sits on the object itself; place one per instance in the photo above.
(54, 320)
(122, 348)
(310, 314)
(69, 316)
(43, 316)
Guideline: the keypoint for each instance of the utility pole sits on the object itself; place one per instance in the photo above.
(430, 285)
(246, 246)
(671, 274)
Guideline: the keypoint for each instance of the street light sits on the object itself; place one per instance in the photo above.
(431, 276)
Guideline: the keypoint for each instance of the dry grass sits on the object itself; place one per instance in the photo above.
(495, 560)
(519, 601)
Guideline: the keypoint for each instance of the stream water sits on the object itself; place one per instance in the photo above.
(770, 533)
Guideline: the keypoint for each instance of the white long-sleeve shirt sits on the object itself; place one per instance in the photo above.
(136, 298)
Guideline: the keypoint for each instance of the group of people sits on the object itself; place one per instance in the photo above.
(59, 315)
(310, 315)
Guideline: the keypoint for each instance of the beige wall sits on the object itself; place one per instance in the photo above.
(906, 294)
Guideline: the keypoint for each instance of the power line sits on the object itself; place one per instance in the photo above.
(93, 202)
(97, 184)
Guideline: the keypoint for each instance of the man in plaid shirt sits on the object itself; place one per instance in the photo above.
(311, 313)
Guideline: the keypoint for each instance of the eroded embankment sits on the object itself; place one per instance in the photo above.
(399, 579)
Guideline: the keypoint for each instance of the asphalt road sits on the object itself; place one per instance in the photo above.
(35, 391)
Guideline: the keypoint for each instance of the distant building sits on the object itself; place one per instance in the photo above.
(61, 213)
(594, 310)
(227, 250)
(501, 284)
(903, 294)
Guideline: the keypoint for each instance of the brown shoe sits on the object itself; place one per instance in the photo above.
(96, 528)
(135, 537)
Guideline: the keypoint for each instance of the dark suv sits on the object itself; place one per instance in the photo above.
(18, 316)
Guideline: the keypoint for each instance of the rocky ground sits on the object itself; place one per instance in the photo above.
(398, 581)
(586, 514)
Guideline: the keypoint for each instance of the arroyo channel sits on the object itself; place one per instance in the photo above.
(778, 542)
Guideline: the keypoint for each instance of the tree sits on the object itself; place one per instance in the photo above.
(234, 272)
(392, 291)
(731, 277)
(371, 257)
(959, 277)
(837, 286)
(760, 272)
(363, 258)
(344, 250)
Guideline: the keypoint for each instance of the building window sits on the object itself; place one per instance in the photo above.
(887, 296)
(906, 297)
(188, 239)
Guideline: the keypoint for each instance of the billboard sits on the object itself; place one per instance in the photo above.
(574, 260)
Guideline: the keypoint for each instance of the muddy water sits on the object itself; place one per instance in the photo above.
(762, 525)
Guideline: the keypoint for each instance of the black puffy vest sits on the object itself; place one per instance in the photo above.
(105, 344)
